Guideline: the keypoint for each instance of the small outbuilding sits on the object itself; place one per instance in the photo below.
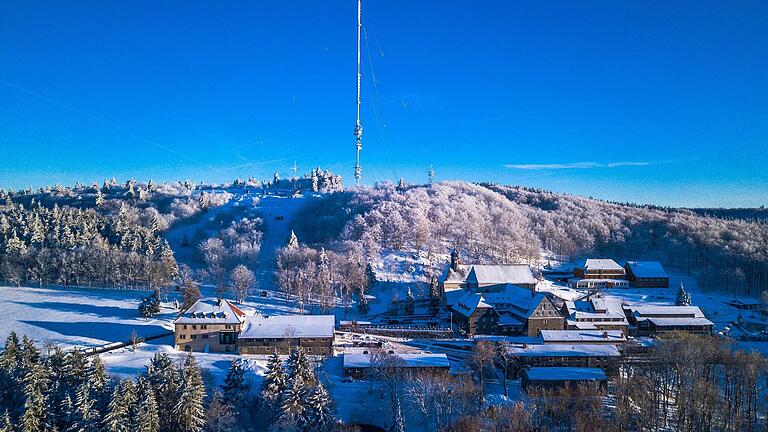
(358, 366)
(559, 377)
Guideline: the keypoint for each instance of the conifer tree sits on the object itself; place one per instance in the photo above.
(99, 383)
(85, 413)
(163, 376)
(190, 411)
(293, 410)
(274, 381)
(299, 367)
(319, 408)
(235, 388)
(36, 405)
(683, 298)
(7, 426)
(146, 414)
(293, 241)
(118, 415)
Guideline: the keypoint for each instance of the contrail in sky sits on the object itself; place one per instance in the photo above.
(104, 122)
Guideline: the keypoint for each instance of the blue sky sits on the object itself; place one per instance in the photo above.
(661, 102)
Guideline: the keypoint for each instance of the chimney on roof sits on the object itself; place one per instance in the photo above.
(455, 260)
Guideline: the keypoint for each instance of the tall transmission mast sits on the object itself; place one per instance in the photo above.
(358, 127)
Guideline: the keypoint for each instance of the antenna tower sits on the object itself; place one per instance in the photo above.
(358, 127)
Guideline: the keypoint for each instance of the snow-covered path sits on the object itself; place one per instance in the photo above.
(278, 215)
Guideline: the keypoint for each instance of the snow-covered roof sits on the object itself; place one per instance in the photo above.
(459, 275)
(486, 274)
(506, 319)
(567, 350)
(667, 311)
(452, 296)
(601, 264)
(581, 325)
(289, 326)
(680, 322)
(565, 374)
(647, 268)
(408, 360)
(596, 308)
(211, 311)
(469, 302)
(515, 274)
(582, 336)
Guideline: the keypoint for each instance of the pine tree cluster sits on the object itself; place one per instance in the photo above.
(67, 391)
(293, 398)
(73, 246)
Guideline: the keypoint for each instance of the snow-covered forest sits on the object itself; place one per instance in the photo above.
(62, 390)
(132, 234)
(505, 224)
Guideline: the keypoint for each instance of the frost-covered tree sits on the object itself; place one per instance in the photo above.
(150, 305)
(163, 377)
(274, 380)
(319, 408)
(36, 405)
(243, 282)
(293, 408)
(293, 241)
(299, 367)
(323, 281)
(235, 388)
(683, 298)
(87, 417)
(6, 425)
(118, 416)
(398, 421)
(189, 411)
(147, 416)
(189, 289)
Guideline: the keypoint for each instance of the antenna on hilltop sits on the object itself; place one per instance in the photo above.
(358, 127)
(431, 174)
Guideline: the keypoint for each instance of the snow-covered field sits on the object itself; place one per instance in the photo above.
(77, 317)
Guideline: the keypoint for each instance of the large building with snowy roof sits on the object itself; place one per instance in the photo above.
(267, 334)
(568, 355)
(486, 277)
(599, 268)
(595, 313)
(657, 320)
(646, 274)
(509, 311)
(212, 325)
(209, 325)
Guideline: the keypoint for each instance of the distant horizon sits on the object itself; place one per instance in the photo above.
(665, 104)
(122, 181)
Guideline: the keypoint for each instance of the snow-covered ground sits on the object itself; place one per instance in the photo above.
(77, 317)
